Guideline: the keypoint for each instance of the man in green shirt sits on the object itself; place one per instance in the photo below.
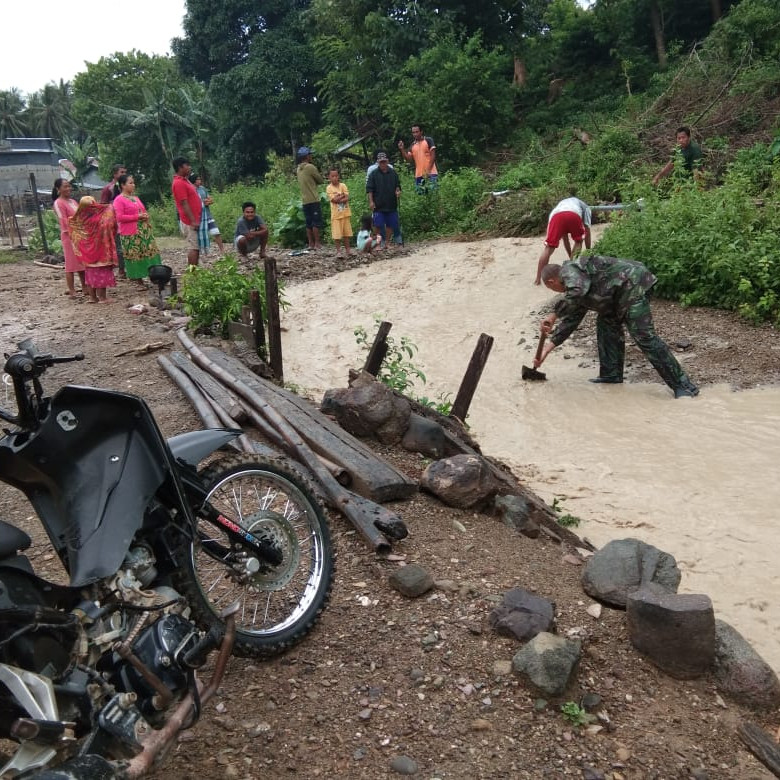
(690, 151)
(616, 290)
(308, 179)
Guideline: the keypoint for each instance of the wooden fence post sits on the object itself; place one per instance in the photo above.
(274, 325)
(378, 349)
(471, 378)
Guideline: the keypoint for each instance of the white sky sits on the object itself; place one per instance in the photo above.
(44, 40)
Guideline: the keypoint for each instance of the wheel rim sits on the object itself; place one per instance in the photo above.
(273, 599)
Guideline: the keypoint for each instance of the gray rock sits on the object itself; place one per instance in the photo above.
(424, 436)
(369, 408)
(522, 615)
(412, 580)
(403, 765)
(514, 511)
(548, 662)
(623, 565)
(676, 631)
(463, 481)
(740, 672)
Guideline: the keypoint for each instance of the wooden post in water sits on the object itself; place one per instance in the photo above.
(42, 227)
(378, 349)
(471, 378)
(274, 325)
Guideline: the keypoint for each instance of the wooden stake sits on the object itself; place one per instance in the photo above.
(274, 325)
(471, 378)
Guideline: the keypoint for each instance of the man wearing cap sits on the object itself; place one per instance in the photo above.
(308, 179)
(384, 188)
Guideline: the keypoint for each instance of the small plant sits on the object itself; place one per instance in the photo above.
(397, 370)
(575, 714)
(564, 519)
(217, 295)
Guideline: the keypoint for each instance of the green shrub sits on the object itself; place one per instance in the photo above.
(215, 296)
(52, 227)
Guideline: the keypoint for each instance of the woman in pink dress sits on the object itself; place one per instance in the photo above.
(65, 207)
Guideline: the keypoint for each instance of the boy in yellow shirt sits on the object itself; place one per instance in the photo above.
(340, 214)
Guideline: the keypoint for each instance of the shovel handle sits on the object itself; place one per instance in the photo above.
(541, 345)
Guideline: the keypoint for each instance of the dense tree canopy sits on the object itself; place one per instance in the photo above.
(253, 78)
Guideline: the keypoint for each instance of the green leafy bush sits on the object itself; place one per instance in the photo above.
(215, 296)
(52, 227)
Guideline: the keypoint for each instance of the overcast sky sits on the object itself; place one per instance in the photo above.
(44, 40)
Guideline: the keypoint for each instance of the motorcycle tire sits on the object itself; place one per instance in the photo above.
(279, 604)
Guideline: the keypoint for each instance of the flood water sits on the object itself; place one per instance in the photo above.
(695, 477)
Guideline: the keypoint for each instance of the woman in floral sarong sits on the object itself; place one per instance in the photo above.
(138, 244)
(93, 231)
(65, 207)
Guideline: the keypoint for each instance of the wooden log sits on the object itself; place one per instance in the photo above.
(367, 522)
(341, 475)
(378, 351)
(197, 398)
(761, 745)
(210, 386)
(372, 477)
(274, 324)
(472, 376)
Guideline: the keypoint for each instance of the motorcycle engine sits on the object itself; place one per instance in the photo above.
(161, 648)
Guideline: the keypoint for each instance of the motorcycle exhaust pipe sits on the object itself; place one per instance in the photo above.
(157, 741)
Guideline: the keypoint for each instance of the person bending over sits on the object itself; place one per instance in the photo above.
(617, 290)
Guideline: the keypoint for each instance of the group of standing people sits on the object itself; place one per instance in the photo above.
(99, 237)
(383, 189)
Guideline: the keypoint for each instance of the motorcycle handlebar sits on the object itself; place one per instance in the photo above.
(24, 367)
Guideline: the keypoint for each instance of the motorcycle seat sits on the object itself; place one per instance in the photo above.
(12, 540)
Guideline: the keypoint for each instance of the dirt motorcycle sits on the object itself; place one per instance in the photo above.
(164, 565)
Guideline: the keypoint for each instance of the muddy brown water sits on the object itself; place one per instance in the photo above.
(695, 477)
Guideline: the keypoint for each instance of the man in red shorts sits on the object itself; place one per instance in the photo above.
(571, 217)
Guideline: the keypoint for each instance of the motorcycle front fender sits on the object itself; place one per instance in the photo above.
(194, 446)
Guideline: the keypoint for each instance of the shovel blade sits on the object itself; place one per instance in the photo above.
(533, 374)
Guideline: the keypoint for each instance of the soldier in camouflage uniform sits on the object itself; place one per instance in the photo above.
(617, 290)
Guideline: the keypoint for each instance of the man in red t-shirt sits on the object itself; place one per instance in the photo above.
(189, 206)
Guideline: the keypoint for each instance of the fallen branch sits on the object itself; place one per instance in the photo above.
(145, 349)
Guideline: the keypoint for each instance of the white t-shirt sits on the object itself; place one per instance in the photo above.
(575, 205)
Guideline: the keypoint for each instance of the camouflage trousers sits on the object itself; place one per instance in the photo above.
(639, 323)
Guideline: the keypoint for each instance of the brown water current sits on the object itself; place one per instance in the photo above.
(695, 477)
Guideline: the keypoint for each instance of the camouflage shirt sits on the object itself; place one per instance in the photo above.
(607, 285)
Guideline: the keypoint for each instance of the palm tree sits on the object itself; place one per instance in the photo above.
(12, 114)
(49, 110)
(80, 154)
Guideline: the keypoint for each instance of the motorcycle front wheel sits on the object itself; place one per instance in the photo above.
(278, 604)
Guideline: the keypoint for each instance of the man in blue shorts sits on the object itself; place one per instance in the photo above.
(384, 188)
(308, 179)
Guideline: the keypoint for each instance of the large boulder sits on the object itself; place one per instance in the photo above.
(624, 565)
(740, 672)
(463, 481)
(369, 408)
(676, 631)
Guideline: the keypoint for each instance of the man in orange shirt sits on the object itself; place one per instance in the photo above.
(423, 153)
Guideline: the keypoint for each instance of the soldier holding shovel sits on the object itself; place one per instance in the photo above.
(617, 290)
